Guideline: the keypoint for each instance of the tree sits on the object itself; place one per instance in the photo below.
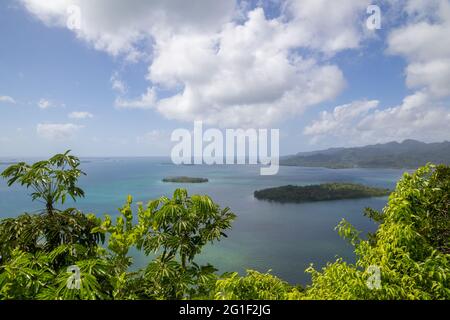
(51, 180)
(176, 230)
(184, 225)
(254, 286)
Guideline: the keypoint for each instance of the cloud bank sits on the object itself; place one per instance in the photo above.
(423, 40)
(221, 64)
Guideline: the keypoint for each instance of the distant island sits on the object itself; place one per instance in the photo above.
(322, 192)
(410, 154)
(185, 180)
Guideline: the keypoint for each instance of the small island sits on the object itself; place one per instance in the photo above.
(185, 180)
(322, 192)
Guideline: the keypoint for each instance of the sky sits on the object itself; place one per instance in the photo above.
(115, 78)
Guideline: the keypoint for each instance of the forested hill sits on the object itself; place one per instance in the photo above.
(410, 154)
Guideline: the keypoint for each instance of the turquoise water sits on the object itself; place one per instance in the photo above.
(285, 238)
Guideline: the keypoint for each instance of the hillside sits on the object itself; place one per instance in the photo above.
(410, 154)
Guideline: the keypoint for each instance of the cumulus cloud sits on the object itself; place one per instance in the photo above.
(418, 117)
(247, 75)
(327, 26)
(119, 27)
(425, 43)
(117, 84)
(341, 121)
(57, 131)
(215, 61)
(80, 115)
(45, 104)
(146, 101)
(7, 99)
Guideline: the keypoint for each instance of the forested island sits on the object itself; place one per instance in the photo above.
(185, 180)
(322, 192)
(409, 154)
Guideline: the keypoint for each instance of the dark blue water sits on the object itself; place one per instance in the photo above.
(284, 238)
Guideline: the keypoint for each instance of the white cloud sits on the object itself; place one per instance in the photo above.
(418, 117)
(119, 27)
(327, 26)
(342, 120)
(57, 131)
(433, 75)
(45, 104)
(217, 61)
(117, 84)
(425, 43)
(80, 115)
(246, 75)
(146, 101)
(7, 99)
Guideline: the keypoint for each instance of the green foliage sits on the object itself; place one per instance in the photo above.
(37, 276)
(254, 286)
(36, 250)
(410, 249)
(51, 180)
(184, 225)
(45, 232)
(176, 230)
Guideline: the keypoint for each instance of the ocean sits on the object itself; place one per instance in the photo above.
(282, 238)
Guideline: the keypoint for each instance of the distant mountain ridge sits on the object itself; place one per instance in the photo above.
(409, 154)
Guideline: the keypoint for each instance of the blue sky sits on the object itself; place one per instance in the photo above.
(310, 68)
